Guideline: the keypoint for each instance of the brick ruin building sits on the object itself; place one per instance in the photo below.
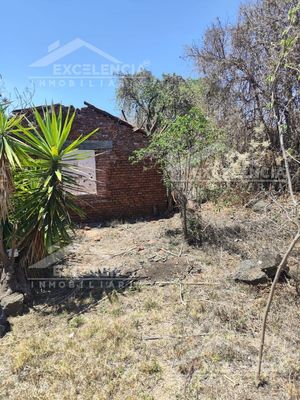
(112, 187)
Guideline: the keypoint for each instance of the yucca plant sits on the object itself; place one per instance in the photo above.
(44, 196)
(36, 185)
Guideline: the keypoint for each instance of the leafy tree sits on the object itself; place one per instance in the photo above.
(290, 40)
(151, 103)
(179, 151)
(235, 63)
(35, 188)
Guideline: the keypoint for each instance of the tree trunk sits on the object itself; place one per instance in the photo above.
(12, 277)
(184, 219)
(14, 280)
(6, 275)
(8, 282)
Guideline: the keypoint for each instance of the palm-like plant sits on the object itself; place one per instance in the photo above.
(36, 184)
(45, 198)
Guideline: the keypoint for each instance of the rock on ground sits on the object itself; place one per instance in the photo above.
(249, 272)
(262, 270)
(269, 261)
(13, 304)
(260, 206)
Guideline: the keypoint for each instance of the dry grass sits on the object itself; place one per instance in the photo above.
(107, 353)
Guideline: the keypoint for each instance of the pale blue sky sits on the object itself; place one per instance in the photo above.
(152, 33)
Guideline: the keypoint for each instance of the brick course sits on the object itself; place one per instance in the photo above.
(123, 189)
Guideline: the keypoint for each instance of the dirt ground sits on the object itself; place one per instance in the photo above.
(185, 330)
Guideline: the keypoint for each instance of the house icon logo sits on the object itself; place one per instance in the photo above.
(56, 52)
(56, 72)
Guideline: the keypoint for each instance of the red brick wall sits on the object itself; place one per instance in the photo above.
(123, 190)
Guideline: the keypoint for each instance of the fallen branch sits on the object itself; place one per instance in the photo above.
(180, 252)
(175, 336)
(164, 283)
(170, 252)
(123, 252)
(117, 254)
(231, 380)
(181, 293)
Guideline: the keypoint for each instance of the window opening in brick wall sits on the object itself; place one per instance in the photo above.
(85, 173)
